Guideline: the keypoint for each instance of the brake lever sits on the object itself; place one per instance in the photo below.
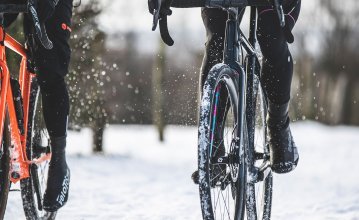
(165, 35)
(156, 17)
(280, 12)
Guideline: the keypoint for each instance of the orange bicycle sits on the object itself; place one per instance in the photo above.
(24, 149)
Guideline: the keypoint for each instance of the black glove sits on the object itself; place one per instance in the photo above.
(46, 8)
(155, 5)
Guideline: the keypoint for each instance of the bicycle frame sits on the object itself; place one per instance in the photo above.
(19, 165)
(234, 41)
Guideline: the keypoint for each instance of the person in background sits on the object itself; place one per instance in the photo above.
(52, 67)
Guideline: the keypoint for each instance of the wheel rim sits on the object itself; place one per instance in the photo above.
(260, 141)
(259, 192)
(40, 140)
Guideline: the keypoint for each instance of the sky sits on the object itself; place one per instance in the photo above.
(134, 15)
(124, 16)
(187, 29)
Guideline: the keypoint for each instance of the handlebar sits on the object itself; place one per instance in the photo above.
(161, 18)
(30, 8)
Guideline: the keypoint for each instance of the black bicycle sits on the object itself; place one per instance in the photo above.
(235, 179)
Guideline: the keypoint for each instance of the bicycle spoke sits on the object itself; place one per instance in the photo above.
(261, 200)
(221, 126)
(225, 206)
(217, 200)
(222, 163)
(228, 202)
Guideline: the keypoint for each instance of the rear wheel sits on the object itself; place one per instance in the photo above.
(221, 163)
(33, 188)
(4, 167)
(259, 198)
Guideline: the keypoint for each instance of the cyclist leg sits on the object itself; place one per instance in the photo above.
(277, 62)
(52, 68)
(214, 20)
(277, 75)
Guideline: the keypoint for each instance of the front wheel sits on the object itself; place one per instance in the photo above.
(33, 188)
(221, 160)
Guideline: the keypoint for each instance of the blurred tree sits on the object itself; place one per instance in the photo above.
(88, 77)
(129, 92)
(339, 58)
(158, 72)
(326, 83)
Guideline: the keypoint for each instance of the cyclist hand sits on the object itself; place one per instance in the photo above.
(46, 9)
(159, 5)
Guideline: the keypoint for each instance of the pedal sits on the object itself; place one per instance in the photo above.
(258, 156)
(259, 174)
(261, 156)
(15, 190)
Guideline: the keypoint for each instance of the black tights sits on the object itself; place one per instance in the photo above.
(277, 69)
(52, 68)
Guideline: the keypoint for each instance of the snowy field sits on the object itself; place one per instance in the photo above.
(140, 178)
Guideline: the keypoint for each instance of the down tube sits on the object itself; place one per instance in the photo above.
(25, 80)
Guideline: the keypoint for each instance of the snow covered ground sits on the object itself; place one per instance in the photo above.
(140, 178)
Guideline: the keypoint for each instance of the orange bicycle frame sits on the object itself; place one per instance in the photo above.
(19, 163)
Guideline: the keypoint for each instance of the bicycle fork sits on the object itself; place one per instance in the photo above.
(232, 57)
